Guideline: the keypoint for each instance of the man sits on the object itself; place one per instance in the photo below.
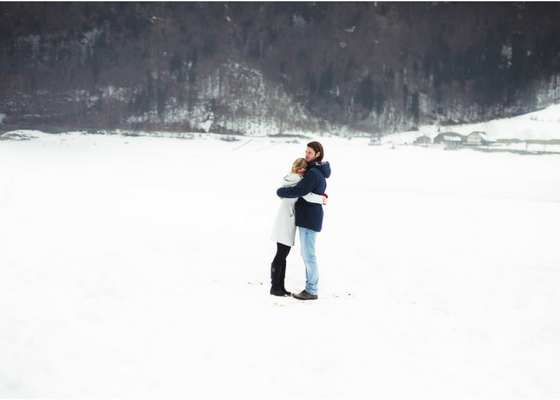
(309, 216)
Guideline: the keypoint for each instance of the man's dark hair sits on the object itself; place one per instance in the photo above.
(317, 148)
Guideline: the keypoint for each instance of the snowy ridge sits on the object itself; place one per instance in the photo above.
(538, 125)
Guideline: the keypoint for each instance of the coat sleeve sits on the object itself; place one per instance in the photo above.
(301, 189)
(313, 198)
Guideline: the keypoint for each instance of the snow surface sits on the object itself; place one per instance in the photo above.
(138, 267)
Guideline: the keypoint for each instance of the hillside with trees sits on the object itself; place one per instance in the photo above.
(372, 68)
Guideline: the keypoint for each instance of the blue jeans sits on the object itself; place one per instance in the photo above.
(307, 239)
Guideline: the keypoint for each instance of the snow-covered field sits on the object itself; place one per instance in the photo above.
(137, 267)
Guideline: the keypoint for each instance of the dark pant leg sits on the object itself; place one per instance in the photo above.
(278, 267)
(281, 253)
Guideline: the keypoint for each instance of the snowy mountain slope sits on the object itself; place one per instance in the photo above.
(235, 99)
(376, 67)
(539, 125)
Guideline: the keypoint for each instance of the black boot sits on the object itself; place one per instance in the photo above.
(282, 278)
(276, 274)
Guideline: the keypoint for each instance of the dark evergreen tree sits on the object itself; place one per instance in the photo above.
(366, 93)
(175, 63)
(415, 108)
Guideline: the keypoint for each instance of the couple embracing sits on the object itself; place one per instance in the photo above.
(303, 196)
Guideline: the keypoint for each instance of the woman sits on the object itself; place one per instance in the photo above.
(284, 229)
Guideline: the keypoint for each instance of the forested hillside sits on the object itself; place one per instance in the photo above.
(273, 67)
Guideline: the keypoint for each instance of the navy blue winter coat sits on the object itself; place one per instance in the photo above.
(309, 215)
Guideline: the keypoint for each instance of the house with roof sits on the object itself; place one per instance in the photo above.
(477, 139)
(451, 140)
(423, 141)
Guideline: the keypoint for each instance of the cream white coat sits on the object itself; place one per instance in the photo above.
(284, 228)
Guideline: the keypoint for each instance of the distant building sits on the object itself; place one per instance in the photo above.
(423, 141)
(477, 139)
(452, 140)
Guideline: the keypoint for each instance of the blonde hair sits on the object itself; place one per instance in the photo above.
(298, 164)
